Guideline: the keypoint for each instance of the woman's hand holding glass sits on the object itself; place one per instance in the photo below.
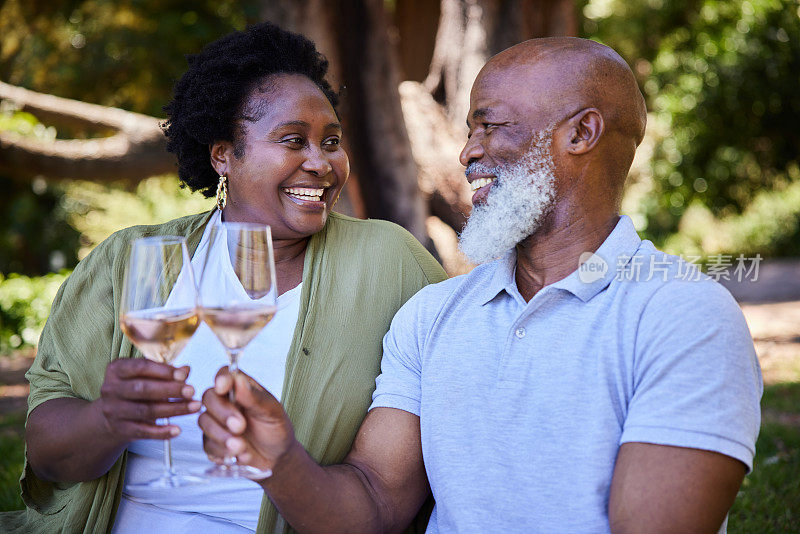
(136, 392)
(158, 313)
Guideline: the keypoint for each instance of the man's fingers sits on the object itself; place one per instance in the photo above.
(223, 381)
(215, 435)
(141, 367)
(150, 411)
(252, 396)
(225, 413)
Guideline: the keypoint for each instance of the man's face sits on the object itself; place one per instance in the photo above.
(510, 167)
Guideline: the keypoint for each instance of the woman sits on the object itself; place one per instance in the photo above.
(253, 120)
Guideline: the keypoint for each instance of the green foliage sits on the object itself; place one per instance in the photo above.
(11, 461)
(98, 210)
(768, 226)
(34, 235)
(722, 76)
(122, 53)
(24, 305)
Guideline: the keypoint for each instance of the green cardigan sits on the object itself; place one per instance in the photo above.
(356, 275)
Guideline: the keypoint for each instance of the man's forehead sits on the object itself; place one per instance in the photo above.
(508, 91)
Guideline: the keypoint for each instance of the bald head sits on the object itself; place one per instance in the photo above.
(577, 74)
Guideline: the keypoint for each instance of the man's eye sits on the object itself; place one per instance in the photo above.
(489, 126)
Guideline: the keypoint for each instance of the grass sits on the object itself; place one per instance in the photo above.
(769, 501)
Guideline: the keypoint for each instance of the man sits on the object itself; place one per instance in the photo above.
(543, 396)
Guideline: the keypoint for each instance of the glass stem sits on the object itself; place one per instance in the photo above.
(233, 369)
(168, 470)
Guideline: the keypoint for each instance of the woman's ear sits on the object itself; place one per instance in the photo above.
(586, 128)
(221, 152)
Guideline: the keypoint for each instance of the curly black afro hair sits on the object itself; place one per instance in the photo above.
(209, 97)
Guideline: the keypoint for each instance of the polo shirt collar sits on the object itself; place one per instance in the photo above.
(615, 252)
(502, 278)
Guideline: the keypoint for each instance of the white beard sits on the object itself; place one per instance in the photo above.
(522, 194)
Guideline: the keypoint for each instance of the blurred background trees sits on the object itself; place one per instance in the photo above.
(718, 172)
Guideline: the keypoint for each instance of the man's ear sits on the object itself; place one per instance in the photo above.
(221, 153)
(586, 128)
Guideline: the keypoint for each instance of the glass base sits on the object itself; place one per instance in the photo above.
(170, 480)
(237, 471)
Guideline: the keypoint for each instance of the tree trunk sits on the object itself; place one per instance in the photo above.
(353, 36)
(135, 151)
(471, 31)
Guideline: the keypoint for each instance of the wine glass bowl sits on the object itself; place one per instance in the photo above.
(237, 316)
(158, 313)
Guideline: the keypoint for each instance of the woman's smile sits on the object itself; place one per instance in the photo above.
(290, 166)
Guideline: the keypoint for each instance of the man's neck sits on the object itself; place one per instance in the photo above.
(553, 251)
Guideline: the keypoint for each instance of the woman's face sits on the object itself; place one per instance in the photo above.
(293, 167)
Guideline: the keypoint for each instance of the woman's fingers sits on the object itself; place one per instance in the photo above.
(150, 411)
(139, 430)
(125, 368)
(152, 390)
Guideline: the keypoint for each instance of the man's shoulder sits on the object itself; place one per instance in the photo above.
(459, 290)
(666, 277)
(668, 288)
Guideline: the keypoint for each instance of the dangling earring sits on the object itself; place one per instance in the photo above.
(222, 192)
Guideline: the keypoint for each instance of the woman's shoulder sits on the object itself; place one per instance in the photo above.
(383, 242)
(112, 248)
(181, 226)
(371, 229)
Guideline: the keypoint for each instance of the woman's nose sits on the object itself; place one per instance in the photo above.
(317, 162)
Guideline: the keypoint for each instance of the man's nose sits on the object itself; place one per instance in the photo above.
(472, 151)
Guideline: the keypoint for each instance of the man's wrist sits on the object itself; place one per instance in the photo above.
(285, 465)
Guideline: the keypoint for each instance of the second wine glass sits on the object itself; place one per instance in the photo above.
(237, 316)
(158, 315)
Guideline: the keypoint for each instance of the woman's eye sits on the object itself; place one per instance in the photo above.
(294, 140)
(332, 142)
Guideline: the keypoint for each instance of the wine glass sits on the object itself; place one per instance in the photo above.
(158, 313)
(237, 315)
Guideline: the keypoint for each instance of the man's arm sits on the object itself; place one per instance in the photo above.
(662, 489)
(379, 487)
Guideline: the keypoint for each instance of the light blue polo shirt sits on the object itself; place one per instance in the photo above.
(523, 406)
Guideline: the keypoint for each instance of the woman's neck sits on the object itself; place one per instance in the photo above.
(290, 256)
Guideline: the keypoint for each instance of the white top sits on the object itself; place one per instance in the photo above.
(220, 505)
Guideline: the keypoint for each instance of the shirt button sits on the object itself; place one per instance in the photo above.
(520, 332)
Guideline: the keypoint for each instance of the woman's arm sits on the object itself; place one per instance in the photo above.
(71, 440)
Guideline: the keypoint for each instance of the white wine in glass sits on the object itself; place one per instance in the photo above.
(158, 313)
(237, 316)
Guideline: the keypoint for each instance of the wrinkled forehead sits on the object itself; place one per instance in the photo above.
(521, 88)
